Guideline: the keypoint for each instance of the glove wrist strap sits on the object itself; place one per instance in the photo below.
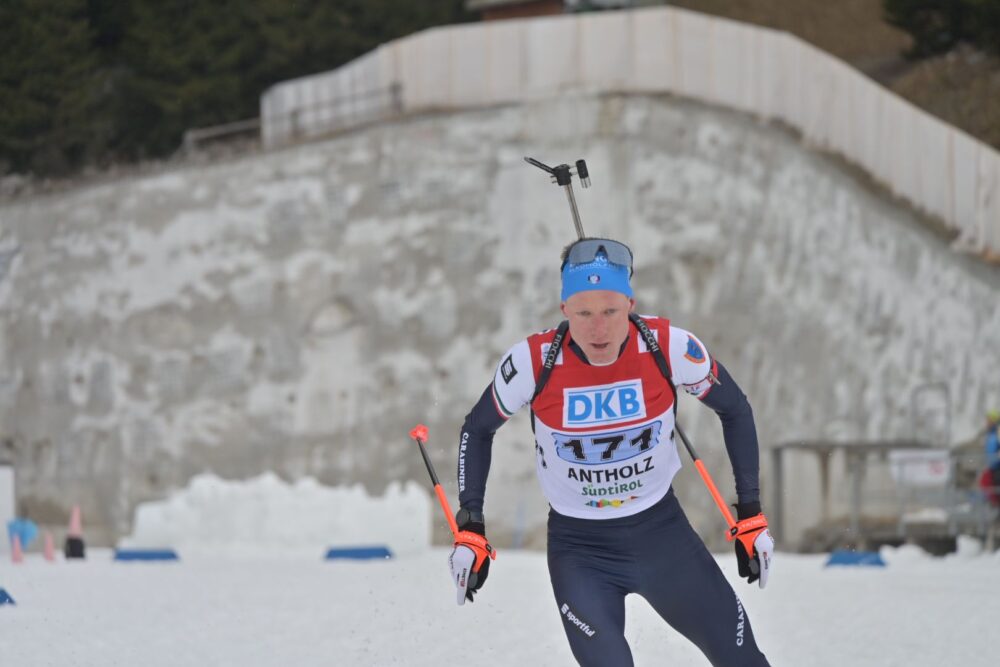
(479, 545)
(464, 516)
(750, 525)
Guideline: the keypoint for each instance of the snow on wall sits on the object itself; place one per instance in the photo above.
(299, 311)
(662, 50)
(266, 513)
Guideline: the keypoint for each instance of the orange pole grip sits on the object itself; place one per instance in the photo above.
(723, 507)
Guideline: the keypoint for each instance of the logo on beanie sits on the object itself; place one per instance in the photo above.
(593, 279)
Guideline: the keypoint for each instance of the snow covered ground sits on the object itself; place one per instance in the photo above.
(268, 605)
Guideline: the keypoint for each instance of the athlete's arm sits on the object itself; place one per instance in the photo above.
(708, 380)
(512, 388)
(475, 451)
(739, 432)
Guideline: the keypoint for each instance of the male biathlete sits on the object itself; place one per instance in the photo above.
(603, 394)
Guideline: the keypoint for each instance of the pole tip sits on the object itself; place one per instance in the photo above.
(419, 432)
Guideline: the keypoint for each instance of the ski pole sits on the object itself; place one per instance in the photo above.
(705, 477)
(562, 176)
(419, 433)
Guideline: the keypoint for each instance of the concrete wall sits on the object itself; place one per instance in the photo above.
(771, 74)
(298, 311)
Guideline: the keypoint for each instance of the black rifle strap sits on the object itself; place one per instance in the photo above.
(550, 358)
(656, 351)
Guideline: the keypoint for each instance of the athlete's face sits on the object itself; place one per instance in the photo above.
(598, 322)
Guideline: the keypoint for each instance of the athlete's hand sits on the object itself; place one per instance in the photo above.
(754, 546)
(470, 559)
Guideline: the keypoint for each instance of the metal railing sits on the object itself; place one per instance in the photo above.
(197, 138)
(332, 116)
(873, 492)
(307, 121)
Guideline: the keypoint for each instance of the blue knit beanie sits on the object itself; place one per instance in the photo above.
(599, 274)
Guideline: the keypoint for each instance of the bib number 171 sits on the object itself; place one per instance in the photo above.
(607, 447)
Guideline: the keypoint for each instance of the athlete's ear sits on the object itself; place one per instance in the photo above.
(562, 307)
(631, 304)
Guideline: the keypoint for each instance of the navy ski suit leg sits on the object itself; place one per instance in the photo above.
(590, 589)
(655, 553)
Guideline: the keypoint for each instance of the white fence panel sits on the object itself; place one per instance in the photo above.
(988, 201)
(504, 69)
(899, 170)
(844, 80)
(818, 95)
(734, 65)
(605, 50)
(964, 158)
(694, 32)
(466, 69)
(551, 65)
(771, 84)
(935, 166)
(866, 120)
(426, 70)
(654, 42)
(789, 66)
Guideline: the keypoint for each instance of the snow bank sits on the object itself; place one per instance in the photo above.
(966, 548)
(268, 514)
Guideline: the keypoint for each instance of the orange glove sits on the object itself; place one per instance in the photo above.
(754, 546)
(470, 559)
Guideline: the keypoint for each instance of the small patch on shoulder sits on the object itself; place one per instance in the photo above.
(694, 351)
(507, 369)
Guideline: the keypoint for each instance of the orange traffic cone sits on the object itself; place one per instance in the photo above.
(17, 555)
(50, 549)
(75, 547)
